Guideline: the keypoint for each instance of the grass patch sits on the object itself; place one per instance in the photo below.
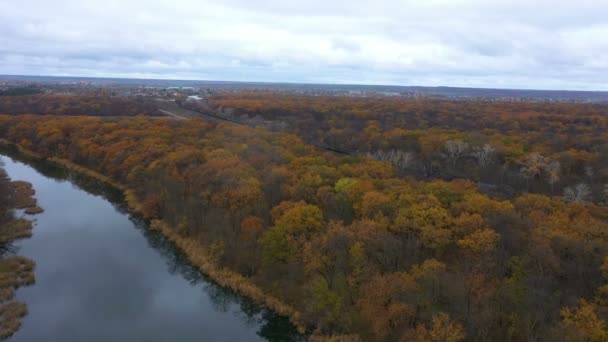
(11, 314)
(85, 171)
(14, 273)
(23, 197)
(23, 193)
(16, 229)
(34, 210)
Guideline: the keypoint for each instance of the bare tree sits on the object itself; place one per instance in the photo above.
(484, 154)
(577, 194)
(553, 172)
(454, 150)
(400, 159)
(532, 166)
(589, 172)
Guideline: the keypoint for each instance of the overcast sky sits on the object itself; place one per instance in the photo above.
(543, 44)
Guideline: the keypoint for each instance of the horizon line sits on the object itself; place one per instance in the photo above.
(7, 76)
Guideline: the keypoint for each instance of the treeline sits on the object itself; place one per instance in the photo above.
(20, 91)
(346, 240)
(15, 271)
(72, 105)
(509, 147)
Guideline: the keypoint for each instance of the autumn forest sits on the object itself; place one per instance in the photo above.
(367, 218)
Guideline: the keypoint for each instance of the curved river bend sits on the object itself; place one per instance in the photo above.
(101, 275)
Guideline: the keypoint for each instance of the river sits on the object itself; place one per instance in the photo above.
(101, 275)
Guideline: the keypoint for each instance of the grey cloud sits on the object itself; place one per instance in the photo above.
(500, 43)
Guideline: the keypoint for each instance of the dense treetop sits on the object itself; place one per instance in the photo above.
(352, 243)
(514, 147)
(70, 105)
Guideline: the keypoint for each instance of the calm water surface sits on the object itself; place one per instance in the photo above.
(102, 276)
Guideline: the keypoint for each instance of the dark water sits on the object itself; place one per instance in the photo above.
(102, 276)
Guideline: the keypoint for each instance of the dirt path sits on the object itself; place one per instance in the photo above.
(172, 114)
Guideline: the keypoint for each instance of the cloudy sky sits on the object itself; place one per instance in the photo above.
(543, 44)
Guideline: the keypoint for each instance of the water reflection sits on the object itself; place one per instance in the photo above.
(272, 326)
(266, 324)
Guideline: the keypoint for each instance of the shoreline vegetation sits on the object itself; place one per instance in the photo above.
(15, 271)
(195, 252)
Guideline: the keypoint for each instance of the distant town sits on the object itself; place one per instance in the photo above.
(197, 90)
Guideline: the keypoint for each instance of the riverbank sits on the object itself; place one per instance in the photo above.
(195, 252)
(200, 257)
(15, 271)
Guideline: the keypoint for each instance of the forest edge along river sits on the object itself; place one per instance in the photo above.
(102, 275)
